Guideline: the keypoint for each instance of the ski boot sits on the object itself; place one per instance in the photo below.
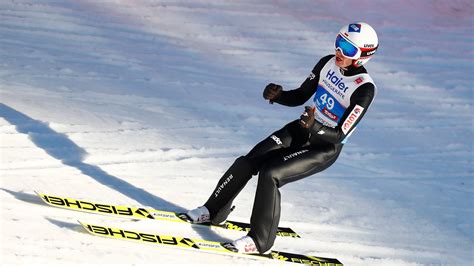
(200, 215)
(243, 245)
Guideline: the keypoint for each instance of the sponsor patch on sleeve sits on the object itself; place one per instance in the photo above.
(352, 119)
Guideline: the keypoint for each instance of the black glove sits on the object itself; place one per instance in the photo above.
(272, 92)
(307, 118)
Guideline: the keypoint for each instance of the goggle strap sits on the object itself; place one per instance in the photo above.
(368, 51)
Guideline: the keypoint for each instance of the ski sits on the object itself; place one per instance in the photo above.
(144, 213)
(201, 245)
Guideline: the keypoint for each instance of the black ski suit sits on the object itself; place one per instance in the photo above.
(294, 152)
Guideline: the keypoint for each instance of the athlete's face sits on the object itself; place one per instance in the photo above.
(341, 60)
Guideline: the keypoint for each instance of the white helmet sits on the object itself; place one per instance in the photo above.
(359, 41)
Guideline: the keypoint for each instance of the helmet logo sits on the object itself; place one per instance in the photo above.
(354, 27)
(371, 52)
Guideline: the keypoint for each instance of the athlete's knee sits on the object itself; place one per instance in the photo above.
(252, 164)
(243, 163)
(271, 175)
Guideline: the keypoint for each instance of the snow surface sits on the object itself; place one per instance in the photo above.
(147, 102)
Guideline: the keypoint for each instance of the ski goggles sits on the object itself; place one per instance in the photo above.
(348, 49)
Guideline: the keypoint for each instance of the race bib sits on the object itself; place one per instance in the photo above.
(328, 108)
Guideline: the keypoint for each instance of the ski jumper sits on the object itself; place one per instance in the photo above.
(340, 100)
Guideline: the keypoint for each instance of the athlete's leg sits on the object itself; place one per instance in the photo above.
(237, 176)
(289, 166)
(230, 184)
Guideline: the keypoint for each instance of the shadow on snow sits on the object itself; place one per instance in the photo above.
(60, 147)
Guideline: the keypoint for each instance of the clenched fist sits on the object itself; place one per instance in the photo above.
(272, 92)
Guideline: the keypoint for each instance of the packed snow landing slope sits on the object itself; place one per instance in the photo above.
(148, 102)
